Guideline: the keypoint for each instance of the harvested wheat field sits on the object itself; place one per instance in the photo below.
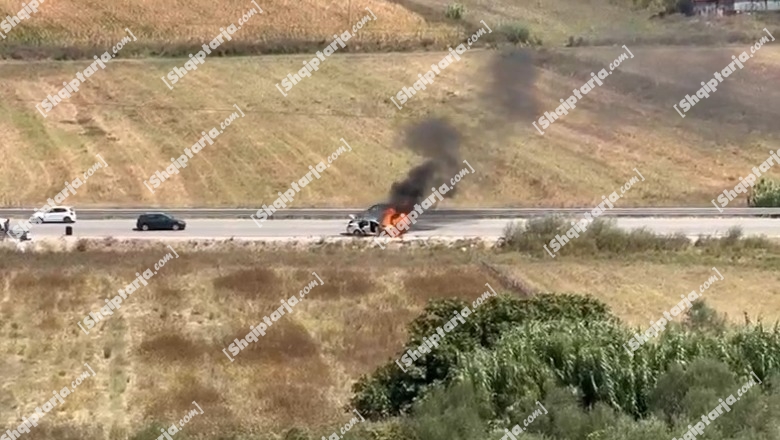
(129, 116)
(87, 23)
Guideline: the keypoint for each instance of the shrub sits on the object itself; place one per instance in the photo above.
(452, 413)
(391, 391)
(601, 236)
(703, 318)
(516, 34)
(514, 348)
(390, 430)
(685, 7)
(765, 194)
(297, 434)
(455, 11)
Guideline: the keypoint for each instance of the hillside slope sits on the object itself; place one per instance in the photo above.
(128, 115)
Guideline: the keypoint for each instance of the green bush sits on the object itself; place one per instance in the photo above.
(514, 348)
(454, 413)
(455, 11)
(394, 429)
(516, 33)
(390, 391)
(703, 318)
(297, 434)
(765, 194)
(601, 236)
(667, 6)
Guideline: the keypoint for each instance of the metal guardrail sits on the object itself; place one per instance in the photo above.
(341, 213)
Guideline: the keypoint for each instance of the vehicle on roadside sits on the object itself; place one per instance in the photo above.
(370, 221)
(362, 226)
(152, 221)
(380, 210)
(376, 211)
(55, 214)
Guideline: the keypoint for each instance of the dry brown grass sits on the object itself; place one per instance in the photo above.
(163, 349)
(96, 24)
(250, 283)
(71, 28)
(640, 291)
(338, 283)
(465, 284)
(170, 346)
(627, 123)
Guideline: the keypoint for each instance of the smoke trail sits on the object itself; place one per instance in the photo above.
(439, 142)
(508, 99)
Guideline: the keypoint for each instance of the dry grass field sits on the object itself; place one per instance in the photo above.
(129, 116)
(162, 350)
(599, 21)
(641, 291)
(90, 23)
(163, 26)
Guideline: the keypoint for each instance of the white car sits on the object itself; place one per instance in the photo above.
(55, 214)
(362, 226)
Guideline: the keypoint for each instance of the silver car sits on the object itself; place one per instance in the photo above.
(362, 226)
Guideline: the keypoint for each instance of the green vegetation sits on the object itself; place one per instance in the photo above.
(566, 351)
(765, 194)
(667, 6)
(455, 11)
(603, 238)
(519, 34)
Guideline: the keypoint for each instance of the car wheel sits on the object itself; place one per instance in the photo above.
(68, 220)
(144, 227)
(357, 233)
(175, 227)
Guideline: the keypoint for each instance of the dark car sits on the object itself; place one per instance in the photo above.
(376, 212)
(158, 220)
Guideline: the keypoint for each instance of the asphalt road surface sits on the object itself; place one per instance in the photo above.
(484, 228)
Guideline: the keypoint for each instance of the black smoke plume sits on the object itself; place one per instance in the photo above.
(508, 102)
(439, 142)
(510, 93)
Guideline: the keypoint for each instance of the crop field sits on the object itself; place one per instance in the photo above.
(162, 26)
(129, 116)
(168, 28)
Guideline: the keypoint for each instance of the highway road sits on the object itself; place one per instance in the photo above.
(456, 228)
(448, 213)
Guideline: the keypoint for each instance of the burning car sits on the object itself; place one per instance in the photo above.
(392, 217)
(377, 218)
(362, 226)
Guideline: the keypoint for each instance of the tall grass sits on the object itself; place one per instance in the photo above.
(603, 238)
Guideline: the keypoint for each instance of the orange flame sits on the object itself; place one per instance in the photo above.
(391, 217)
